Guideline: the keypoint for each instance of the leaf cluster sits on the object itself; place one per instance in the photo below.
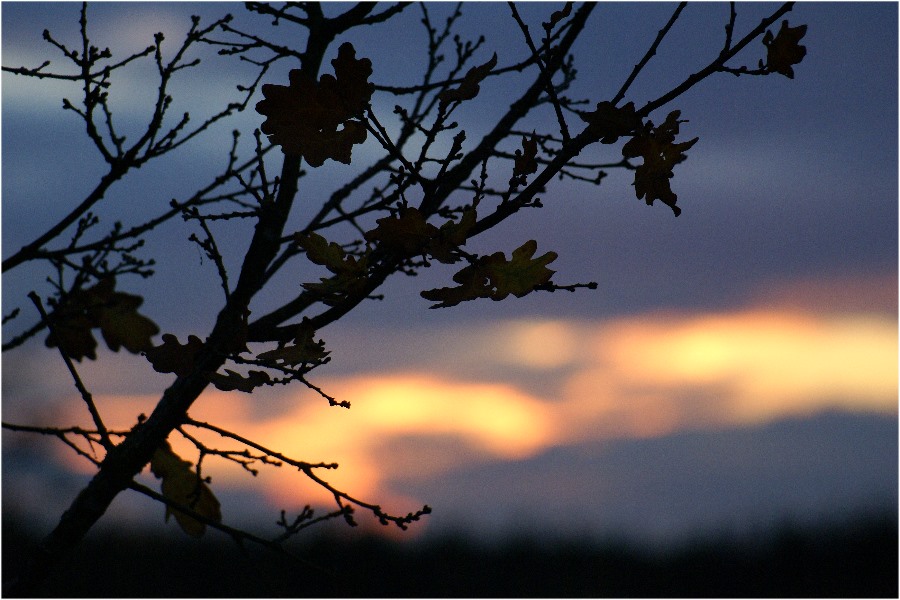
(656, 145)
(495, 277)
(304, 117)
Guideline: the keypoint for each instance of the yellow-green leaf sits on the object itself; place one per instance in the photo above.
(180, 484)
(121, 324)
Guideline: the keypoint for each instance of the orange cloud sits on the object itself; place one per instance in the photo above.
(633, 377)
(767, 364)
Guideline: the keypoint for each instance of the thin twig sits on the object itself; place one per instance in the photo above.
(85, 394)
(650, 53)
(563, 128)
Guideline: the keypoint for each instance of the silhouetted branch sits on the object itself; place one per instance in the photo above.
(651, 53)
(717, 64)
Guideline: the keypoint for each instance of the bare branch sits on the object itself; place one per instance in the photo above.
(85, 395)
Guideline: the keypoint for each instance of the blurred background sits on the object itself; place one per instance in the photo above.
(727, 395)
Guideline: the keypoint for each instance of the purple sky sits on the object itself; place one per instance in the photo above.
(792, 185)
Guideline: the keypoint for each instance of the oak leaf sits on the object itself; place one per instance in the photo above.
(784, 49)
(322, 252)
(349, 271)
(293, 355)
(522, 273)
(656, 145)
(526, 159)
(608, 123)
(173, 357)
(495, 277)
(72, 332)
(444, 247)
(350, 82)
(182, 485)
(235, 381)
(405, 232)
(474, 283)
(316, 119)
(469, 86)
(114, 313)
(122, 326)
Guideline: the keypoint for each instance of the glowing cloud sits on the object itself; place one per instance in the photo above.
(766, 364)
(634, 377)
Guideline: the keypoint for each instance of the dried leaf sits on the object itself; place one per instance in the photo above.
(122, 326)
(474, 283)
(522, 273)
(305, 350)
(444, 247)
(114, 313)
(330, 255)
(349, 271)
(526, 159)
(72, 332)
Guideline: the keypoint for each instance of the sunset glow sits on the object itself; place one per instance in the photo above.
(624, 378)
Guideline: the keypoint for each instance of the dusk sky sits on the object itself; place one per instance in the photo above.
(735, 367)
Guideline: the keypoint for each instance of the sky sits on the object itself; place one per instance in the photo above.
(736, 365)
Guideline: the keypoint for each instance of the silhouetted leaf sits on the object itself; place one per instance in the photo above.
(469, 87)
(784, 49)
(349, 271)
(305, 350)
(315, 119)
(322, 252)
(172, 357)
(405, 232)
(558, 16)
(236, 381)
(122, 325)
(522, 273)
(181, 484)
(656, 145)
(114, 313)
(525, 163)
(496, 278)
(608, 123)
(444, 247)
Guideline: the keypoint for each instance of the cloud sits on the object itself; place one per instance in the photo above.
(628, 378)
